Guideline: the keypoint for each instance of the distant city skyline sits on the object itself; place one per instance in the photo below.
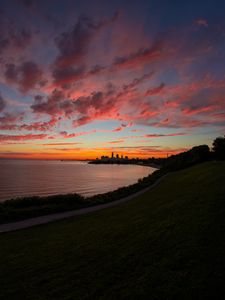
(81, 79)
(116, 156)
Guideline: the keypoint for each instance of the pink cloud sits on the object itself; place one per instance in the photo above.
(172, 106)
(163, 105)
(5, 137)
(9, 118)
(200, 110)
(12, 122)
(72, 135)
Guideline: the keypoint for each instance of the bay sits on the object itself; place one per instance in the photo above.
(21, 178)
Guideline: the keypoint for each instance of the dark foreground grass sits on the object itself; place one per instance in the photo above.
(167, 244)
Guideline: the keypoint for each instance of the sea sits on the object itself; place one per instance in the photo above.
(21, 178)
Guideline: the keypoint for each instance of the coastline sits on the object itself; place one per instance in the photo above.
(28, 207)
(41, 220)
(20, 179)
(99, 162)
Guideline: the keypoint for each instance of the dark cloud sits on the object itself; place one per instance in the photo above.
(20, 38)
(163, 135)
(27, 3)
(38, 98)
(73, 44)
(51, 106)
(96, 69)
(13, 122)
(31, 74)
(143, 55)
(155, 90)
(13, 35)
(95, 101)
(96, 106)
(63, 77)
(2, 103)
(26, 76)
(11, 73)
(4, 42)
(138, 81)
(85, 108)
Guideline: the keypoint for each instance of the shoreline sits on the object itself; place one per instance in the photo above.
(151, 165)
(76, 189)
(44, 219)
(19, 209)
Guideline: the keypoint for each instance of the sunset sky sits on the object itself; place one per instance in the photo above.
(80, 79)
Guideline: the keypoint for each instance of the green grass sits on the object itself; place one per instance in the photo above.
(167, 244)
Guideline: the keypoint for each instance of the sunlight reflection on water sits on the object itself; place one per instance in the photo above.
(19, 178)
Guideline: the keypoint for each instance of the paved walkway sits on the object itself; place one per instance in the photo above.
(59, 216)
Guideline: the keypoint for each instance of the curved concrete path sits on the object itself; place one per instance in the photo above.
(59, 216)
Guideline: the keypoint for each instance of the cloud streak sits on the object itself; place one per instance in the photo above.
(26, 137)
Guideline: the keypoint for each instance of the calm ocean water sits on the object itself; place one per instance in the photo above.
(19, 178)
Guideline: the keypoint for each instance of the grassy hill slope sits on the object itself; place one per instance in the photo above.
(167, 244)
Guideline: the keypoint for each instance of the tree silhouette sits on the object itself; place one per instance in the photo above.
(189, 158)
(219, 148)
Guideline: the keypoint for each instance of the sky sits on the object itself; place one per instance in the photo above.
(80, 79)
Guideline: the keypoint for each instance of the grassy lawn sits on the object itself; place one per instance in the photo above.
(167, 244)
